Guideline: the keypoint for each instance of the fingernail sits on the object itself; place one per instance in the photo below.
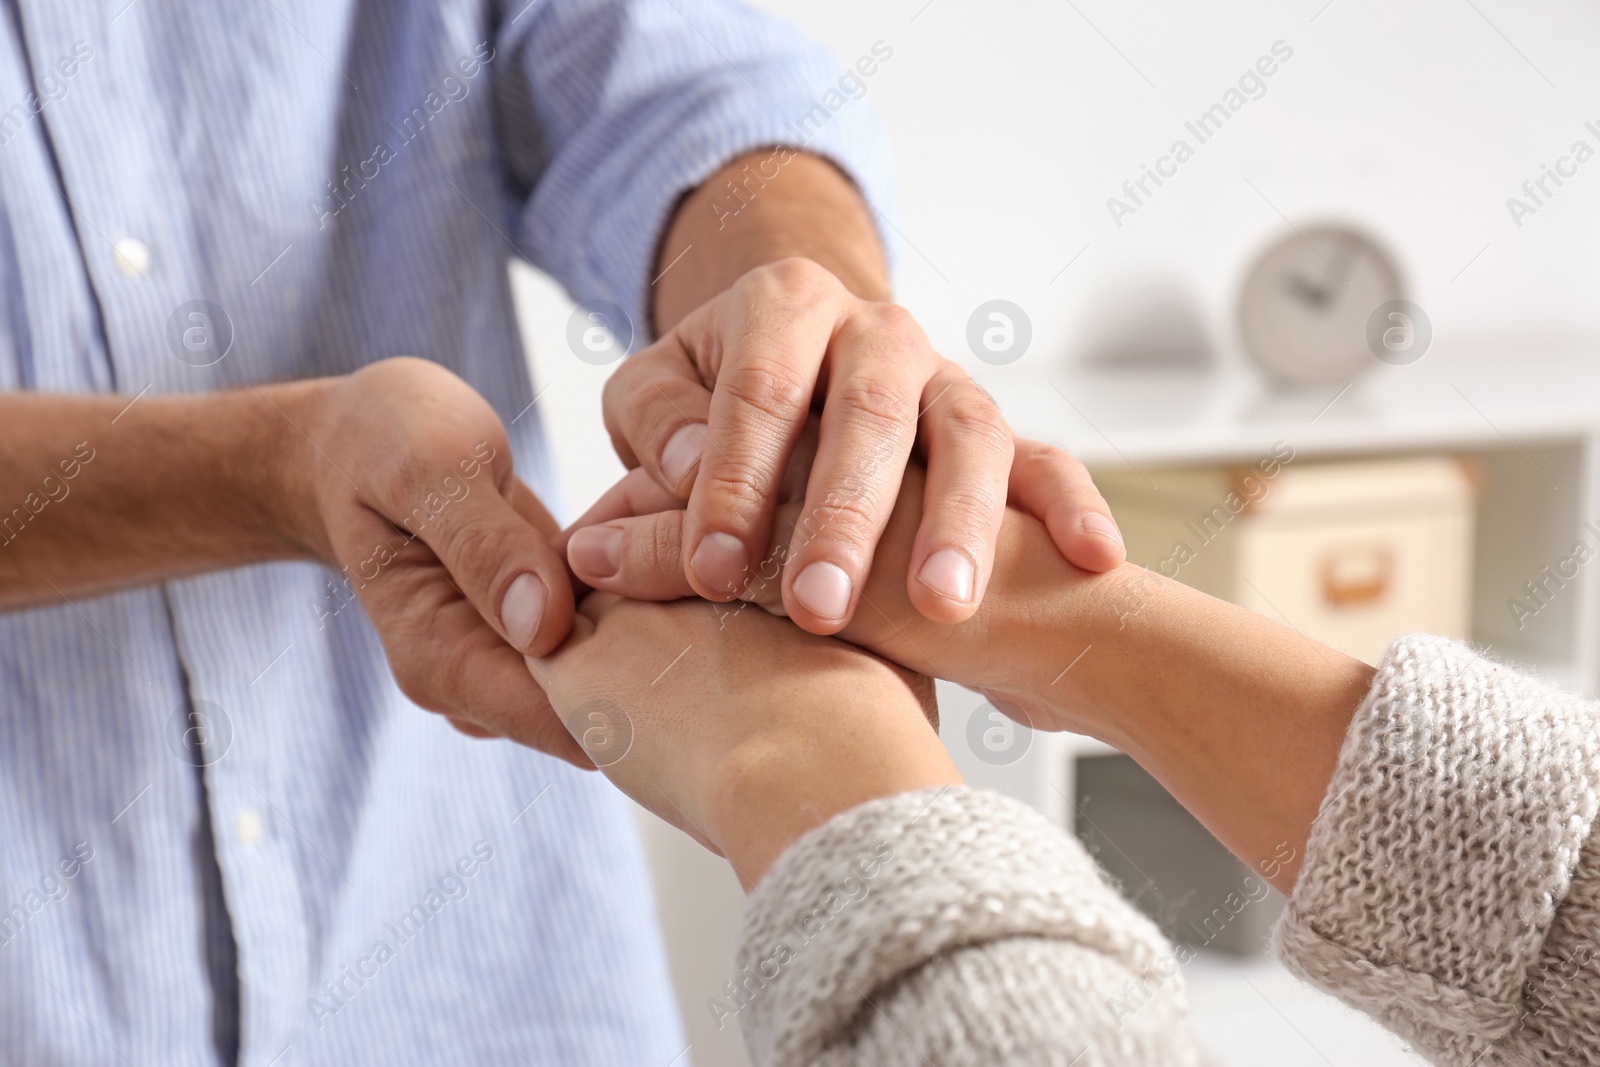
(521, 608)
(824, 590)
(596, 551)
(1096, 523)
(951, 574)
(683, 452)
(719, 563)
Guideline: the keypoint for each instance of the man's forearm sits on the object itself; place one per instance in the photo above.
(99, 494)
(760, 208)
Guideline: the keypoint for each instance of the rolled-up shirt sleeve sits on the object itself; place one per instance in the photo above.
(612, 110)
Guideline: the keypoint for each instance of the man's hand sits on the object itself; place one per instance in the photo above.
(713, 412)
(404, 481)
(779, 309)
(644, 527)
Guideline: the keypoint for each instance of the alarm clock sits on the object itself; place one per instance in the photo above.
(1306, 301)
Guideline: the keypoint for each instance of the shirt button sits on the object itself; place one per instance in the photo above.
(248, 827)
(132, 256)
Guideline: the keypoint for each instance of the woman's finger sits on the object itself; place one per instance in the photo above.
(1056, 489)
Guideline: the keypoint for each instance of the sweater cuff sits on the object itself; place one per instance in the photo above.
(880, 890)
(1464, 794)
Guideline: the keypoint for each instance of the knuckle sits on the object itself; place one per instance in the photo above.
(978, 423)
(634, 374)
(730, 490)
(469, 541)
(658, 553)
(1052, 457)
(794, 278)
(430, 463)
(639, 408)
(410, 476)
(769, 388)
(878, 402)
(971, 385)
(969, 508)
(897, 321)
(666, 550)
(840, 518)
(889, 336)
(620, 389)
(627, 392)
(480, 558)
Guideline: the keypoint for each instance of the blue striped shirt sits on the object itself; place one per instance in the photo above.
(224, 833)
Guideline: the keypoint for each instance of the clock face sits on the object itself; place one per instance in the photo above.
(1304, 305)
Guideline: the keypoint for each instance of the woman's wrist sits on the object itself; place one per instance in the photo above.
(1082, 645)
(1241, 718)
(1046, 627)
(850, 739)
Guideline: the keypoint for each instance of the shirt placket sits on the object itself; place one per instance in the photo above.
(138, 225)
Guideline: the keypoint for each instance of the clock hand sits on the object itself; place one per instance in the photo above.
(1341, 258)
(1310, 292)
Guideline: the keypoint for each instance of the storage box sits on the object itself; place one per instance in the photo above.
(1351, 553)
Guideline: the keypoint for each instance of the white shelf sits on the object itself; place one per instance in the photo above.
(1462, 401)
(1530, 416)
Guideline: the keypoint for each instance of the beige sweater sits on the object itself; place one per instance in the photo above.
(1449, 890)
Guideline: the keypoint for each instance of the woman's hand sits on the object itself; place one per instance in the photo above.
(1013, 649)
(1241, 718)
(739, 728)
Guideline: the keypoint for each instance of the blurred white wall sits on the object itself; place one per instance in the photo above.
(1014, 122)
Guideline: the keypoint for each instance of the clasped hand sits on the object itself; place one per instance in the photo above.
(733, 724)
(715, 414)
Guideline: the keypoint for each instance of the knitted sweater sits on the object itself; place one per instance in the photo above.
(1449, 890)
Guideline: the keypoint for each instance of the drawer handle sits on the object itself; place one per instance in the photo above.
(1356, 575)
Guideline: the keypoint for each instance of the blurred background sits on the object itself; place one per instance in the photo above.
(1432, 160)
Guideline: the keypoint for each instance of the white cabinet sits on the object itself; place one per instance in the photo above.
(1350, 552)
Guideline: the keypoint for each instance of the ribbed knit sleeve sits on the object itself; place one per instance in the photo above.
(1451, 886)
(950, 927)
